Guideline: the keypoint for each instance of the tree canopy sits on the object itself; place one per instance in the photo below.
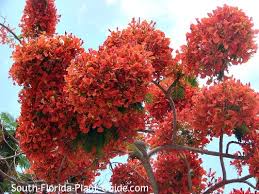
(133, 96)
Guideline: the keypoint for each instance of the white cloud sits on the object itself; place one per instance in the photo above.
(111, 2)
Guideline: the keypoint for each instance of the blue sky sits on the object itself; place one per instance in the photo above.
(90, 20)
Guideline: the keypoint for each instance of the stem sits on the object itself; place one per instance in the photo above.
(61, 166)
(189, 178)
(174, 123)
(224, 174)
(172, 106)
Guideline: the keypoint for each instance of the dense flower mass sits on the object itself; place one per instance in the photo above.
(48, 125)
(39, 16)
(44, 58)
(157, 103)
(58, 167)
(40, 65)
(225, 108)
(153, 40)
(163, 133)
(80, 109)
(100, 85)
(225, 37)
(130, 175)
(171, 172)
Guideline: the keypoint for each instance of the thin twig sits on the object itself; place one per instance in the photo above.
(10, 31)
(232, 142)
(10, 157)
(60, 168)
(10, 178)
(3, 135)
(250, 184)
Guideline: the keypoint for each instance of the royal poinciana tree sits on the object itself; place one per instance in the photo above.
(133, 96)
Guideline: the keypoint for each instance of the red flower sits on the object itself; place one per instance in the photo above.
(39, 17)
(241, 191)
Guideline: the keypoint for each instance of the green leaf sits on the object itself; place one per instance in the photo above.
(178, 93)
(23, 162)
(192, 81)
(149, 98)
(94, 139)
(8, 121)
(241, 131)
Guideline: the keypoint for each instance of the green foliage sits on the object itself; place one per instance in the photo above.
(8, 122)
(95, 139)
(23, 162)
(178, 92)
(136, 106)
(192, 80)
(149, 98)
(240, 132)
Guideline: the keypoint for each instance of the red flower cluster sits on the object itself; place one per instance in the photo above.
(225, 108)
(131, 175)
(154, 41)
(39, 16)
(58, 167)
(163, 132)
(253, 161)
(44, 58)
(100, 85)
(40, 66)
(171, 172)
(48, 125)
(158, 105)
(226, 36)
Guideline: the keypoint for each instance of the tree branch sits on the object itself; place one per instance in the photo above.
(189, 177)
(10, 157)
(196, 150)
(232, 142)
(224, 174)
(141, 153)
(225, 182)
(172, 106)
